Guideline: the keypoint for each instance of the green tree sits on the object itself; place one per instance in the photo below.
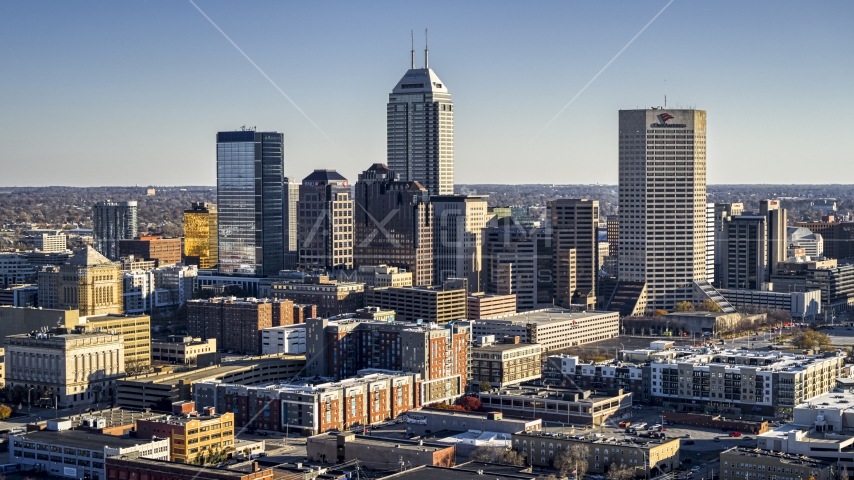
(684, 307)
(485, 386)
(709, 305)
(811, 339)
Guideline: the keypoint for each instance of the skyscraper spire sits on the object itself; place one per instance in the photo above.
(412, 34)
(426, 54)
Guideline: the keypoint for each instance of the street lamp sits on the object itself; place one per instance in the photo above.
(29, 405)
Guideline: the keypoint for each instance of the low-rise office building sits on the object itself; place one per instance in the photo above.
(380, 276)
(23, 320)
(180, 349)
(507, 363)
(287, 339)
(61, 452)
(376, 452)
(136, 336)
(541, 448)
(20, 295)
(564, 405)
(192, 435)
(165, 251)
(429, 304)
(553, 328)
(133, 467)
(431, 420)
(481, 305)
(738, 463)
(330, 296)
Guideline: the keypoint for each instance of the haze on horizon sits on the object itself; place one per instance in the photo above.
(103, 93)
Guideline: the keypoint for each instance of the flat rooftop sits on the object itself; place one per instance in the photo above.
(114, 417)
(785, 457)
(377, 441)
(171, 468)
(464, 471)
(536, 391)
(615, 441)
(83, 439)
(503, 347)
(207, 373)
(470, 415)
(548, 315)
(830, 400)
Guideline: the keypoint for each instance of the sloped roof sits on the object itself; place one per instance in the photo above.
(324, 176)
(420, 80)
(87, 257)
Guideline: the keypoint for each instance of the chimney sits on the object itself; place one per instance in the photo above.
(255, 467)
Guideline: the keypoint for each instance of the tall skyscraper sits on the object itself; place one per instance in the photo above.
(745, 257)
(325, 218)
(575, 224)
(200, 235)
(249, 176)
(511, 264)
(290, 199)
(777, 240)
(112, 222)
(393, 224)
(710, 242)
(420, 116)
(458, 223)
(663, 202)
(722, 211)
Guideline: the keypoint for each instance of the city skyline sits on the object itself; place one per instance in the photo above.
(757, 70)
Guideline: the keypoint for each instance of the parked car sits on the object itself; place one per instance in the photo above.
(689, 442)
(746, 438)
(695, 468)
(687, 435)
(735, 434)
(687, 460)
(717, 439)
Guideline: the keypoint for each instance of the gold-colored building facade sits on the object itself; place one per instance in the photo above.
(200, 235)
(89, 283)
(136, 336)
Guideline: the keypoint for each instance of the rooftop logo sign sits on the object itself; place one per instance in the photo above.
(664, 117)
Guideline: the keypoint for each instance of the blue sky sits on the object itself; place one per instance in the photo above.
(123, 93)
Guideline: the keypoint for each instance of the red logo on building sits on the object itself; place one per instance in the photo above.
(665, 117)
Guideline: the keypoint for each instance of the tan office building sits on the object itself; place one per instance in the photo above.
(430, 304)
(136, 334)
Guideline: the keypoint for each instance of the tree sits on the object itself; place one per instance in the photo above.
(620, 472)
(500, 455)
(684, 307)
(709, 305)
(5, 412)
(659, 313)
(470, 404)
(485, 386)
(573, 458)
(811, 339)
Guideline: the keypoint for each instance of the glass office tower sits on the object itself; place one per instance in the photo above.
(250, 173)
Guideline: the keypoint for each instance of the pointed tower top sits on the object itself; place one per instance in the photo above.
(412, 34)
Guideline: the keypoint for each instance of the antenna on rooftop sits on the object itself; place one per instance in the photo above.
(665, 94)
(412, 34)
(426, 54)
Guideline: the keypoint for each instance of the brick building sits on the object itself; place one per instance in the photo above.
(191, 435)
(133, 467)
(165, 251)
(236, 323)
(330, 296)
(312, 408)
(341, 348)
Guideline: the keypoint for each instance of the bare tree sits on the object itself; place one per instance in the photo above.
(504, 456)
(573, 458)
(620, 472)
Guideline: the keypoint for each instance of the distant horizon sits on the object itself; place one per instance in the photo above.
(117, 92)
